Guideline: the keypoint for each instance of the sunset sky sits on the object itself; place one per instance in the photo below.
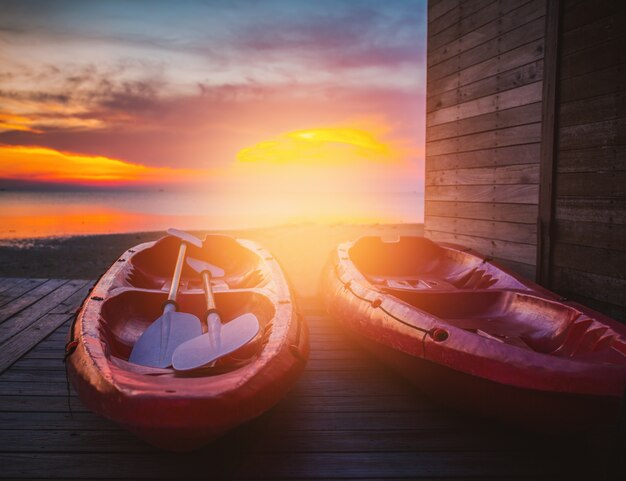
(232, 94)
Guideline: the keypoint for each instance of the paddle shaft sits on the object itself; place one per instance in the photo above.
(213, 321)
(177, 272)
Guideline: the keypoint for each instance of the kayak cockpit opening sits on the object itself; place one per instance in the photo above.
(127, 314)
(417, 263)
(523, 320)
(151, 268)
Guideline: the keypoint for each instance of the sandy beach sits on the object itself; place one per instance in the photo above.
(301, 249)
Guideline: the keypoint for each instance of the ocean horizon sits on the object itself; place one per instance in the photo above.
(32, 214)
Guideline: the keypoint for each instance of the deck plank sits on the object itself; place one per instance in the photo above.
(347, 417)
(44, 305)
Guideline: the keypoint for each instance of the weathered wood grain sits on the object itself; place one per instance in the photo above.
(573, 282)
(524, 114)
(508, 231)
(592, 234)
(517, 97)
(17, 289)
(513, 194)
(511, 251)
(510, 174)
(20, 343)
(591, 184)
(506, 41)
(521, 14)
(28, 316)
(511, 155)
(595, 159)
(523, 213)
(501, 82)
(512, 59)
(460, 13)
(523, 134)
(30, 297)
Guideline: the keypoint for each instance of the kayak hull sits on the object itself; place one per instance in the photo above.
(489, 350)
(183, 411)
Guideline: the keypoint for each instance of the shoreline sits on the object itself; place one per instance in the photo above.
(301, 249)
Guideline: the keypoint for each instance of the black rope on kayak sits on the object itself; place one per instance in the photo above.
(377, 304)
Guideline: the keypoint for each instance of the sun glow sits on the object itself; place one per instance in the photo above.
(330, 146)
(41, 164)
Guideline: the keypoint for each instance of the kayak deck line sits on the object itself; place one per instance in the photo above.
(347, 416)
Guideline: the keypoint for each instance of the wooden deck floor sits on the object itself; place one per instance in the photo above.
(347, 418)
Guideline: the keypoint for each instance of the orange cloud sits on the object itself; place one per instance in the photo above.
(16, 122)
(42, 164)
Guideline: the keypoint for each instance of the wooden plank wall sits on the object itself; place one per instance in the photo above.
(588, 261)
(484, 111)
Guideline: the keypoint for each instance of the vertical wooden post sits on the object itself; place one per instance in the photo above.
(549, 142)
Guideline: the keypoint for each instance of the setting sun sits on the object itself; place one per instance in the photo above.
(319, 146)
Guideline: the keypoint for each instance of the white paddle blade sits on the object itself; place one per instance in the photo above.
(202, 350)
(185, 237)
(157, 343)
(201, 266)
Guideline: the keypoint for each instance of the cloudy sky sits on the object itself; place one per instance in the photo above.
(139, 91)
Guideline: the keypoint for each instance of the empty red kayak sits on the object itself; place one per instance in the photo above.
(174, 410)
(478, 336)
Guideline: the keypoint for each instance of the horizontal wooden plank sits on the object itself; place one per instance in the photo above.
(458, 18)
(596, 57)
(606, 262)
(524, 114)
(593, 109)
(524, 213)
(509, 174)
(498, 102)
(523, 134)
(594, 30)
(594, 83)
(471, 20)
(30, 297)
(438, 8)
(374, 465)
(514, 251)
(611, 310)
(591, 209)
(508, 231)
(21, 343)
(597, 134)
(526, 270)
(9, 283)
(505, 22)
(28, 316)
(527, 33)
(591, 184)
(579, 14)
(18, 289)
(512, 59)
(511, 155)
(592, 234)
(508, 194)
(72, 303)
(595, 159)
(273, 466)
(572, 282)
(315, 441)
(503, 81)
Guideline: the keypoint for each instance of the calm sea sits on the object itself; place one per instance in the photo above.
(44, 214)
